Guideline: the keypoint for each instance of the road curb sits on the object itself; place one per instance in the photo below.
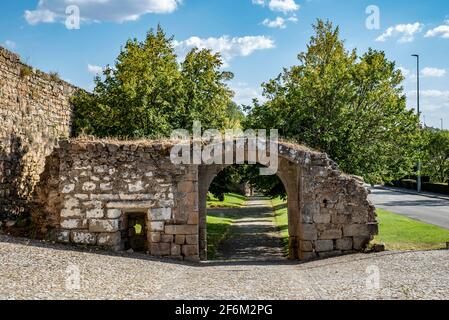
(405, 191)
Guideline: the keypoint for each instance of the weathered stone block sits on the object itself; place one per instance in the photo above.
(192, 239)
(309, 211)
(68, 188)
(324, 245)
(344, 244)
(306, 246)
(95, 214)
(114, 213)
(63, 236)
(175, 250)
(306, 256)
(167, 238)
(155, 237)
(160, 214)
(83, 237)
(160, 249)
(89, 186)
(308, 232)
(181, 229)
(103, 226)
(355, 230)
(157, 226)
(190, 250)
(180, 239)
(360, 243)
(71, 224)
(331, 234)
(322, 218)
(194, 218)
(72, 213)
(109, 239)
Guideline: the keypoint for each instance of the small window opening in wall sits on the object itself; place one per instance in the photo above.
(134, 234)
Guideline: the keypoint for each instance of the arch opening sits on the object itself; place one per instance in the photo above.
(269, 227)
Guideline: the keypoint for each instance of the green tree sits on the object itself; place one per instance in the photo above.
(148, 93)
(349, 106)
(436, 163)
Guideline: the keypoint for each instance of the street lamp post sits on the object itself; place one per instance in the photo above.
(418, 182)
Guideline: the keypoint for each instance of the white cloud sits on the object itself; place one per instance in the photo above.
(244, 94)
(405, 31)
(284, 6)
(10, 44)
(440, 31)
(50, 11)
(279, 22)
(433, 72)
(228, 47)
(435, 102)
(94, 69)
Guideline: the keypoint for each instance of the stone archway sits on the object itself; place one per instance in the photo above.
(328, 211)
(88, 187)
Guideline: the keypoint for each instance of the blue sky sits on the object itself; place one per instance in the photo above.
(258, 37)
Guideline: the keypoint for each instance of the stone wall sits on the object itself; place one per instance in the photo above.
(90, 188)
(329, 212)
(35, 111)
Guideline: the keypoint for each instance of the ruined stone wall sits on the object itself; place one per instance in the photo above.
(335, 215)
(35, 111)
(89, 189)
(329, 213)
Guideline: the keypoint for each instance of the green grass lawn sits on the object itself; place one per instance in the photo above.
(402, 233)
(281, 220)
(231, 200)
(218, 223)
(396, 231)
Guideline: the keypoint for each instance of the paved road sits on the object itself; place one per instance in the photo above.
(427, 209)
(36, 270)
(253, 236)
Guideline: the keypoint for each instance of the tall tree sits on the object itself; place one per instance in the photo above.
(148, 93)
(349, 106)
(436, 163)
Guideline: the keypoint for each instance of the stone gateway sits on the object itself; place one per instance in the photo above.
(129, 195)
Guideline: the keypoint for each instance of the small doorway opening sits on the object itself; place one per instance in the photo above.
(135, 232)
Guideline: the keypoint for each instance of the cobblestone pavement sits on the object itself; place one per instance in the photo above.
(254, 235)
(36, 270)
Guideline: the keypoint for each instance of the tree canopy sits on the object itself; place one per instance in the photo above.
(149, 93)
(348, 105)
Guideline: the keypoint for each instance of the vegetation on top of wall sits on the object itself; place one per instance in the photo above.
(25, 71)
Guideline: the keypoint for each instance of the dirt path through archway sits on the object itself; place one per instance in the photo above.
(253, 235)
